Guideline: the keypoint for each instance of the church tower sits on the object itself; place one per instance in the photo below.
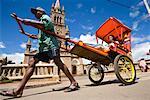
(57, 15)
(27, 52)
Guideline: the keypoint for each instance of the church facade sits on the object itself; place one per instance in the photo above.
(74, 63)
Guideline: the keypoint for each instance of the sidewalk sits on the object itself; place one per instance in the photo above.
(34, 83)
(110, 89)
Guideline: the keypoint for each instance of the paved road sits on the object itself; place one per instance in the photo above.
(110, 89)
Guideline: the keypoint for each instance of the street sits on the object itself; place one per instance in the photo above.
(110, 89)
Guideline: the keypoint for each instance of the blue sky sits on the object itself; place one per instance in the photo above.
(83, 18)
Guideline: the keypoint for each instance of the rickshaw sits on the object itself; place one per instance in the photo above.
(123, 65)
(119, 56)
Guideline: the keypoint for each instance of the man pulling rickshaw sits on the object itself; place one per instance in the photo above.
(113, 32)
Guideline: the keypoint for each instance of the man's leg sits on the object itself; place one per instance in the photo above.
(64, 68)
(27, 76)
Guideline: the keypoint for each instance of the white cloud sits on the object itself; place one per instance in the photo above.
(15, 57)
(89, 39)
(34, 45)
(2, 45)
(143, 18)
(140, 50)
(23, 45)
(89, 28)
(75, 39)
(137, 6)
(141, 3)
(35, 41)
(135, 25)
(79, 5)
(70, 20)
(93, 10)
(136, 40)
(134, 14)
(85, 61)
(141, 47)
(33, 48)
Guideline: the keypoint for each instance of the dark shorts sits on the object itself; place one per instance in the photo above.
(47, 55)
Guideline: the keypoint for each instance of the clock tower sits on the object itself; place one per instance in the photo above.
(57, 15)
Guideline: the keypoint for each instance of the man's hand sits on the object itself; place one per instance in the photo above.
(16, 17)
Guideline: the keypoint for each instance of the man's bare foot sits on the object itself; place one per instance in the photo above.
(11, 93)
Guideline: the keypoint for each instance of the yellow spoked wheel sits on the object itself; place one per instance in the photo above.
(96, 74)
(124, 69)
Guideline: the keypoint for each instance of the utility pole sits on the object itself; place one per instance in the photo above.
(147, 6)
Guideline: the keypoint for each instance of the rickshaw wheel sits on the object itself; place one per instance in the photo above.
(96, 74)
(124, 69)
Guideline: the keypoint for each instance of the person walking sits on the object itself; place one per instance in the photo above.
(48, 49)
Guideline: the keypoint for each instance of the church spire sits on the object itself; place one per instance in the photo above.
(57, 4)
(29, 41)
(52, 5)
(28, 46)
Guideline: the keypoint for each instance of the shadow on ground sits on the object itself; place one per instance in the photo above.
(52, 90)
(109, 82)
(9, 98)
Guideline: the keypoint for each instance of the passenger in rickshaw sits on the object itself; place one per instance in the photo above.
(111, 45)
(113, 42)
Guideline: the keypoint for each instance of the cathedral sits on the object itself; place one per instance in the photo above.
(57, 15)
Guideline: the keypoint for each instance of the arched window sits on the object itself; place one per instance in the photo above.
(75, 62)
(60, 20)
(55, 19)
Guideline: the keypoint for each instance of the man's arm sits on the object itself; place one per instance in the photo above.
(33, 23)
(38, 25)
